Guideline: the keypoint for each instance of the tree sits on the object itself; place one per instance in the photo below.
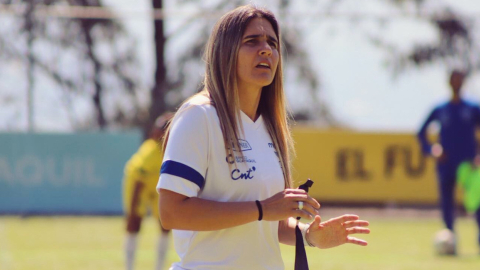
(90, 54)
(104, 59)
(159, 89)
(170, 90)
(457, 46)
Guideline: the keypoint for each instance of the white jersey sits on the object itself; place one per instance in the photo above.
(196, 165)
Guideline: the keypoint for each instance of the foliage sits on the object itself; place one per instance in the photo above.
(90, 57)
(190, 61)
(457, 45)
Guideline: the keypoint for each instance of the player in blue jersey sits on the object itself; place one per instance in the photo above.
(458, 121)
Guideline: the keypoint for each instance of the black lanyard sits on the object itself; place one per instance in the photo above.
(301, 262)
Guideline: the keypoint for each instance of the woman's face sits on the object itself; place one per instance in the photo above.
(258, 55)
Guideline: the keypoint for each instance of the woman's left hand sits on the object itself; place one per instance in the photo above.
(337, 231)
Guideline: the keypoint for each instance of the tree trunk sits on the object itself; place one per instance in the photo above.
(97, 96)
(157, 106)
(29, 24)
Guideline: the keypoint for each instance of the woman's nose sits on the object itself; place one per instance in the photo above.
(266, 49)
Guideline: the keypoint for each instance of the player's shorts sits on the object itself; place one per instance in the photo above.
(148, 198)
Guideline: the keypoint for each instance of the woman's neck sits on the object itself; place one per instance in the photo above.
(455, 99)
(249, 100)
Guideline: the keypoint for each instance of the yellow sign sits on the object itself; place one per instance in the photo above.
(349, 167)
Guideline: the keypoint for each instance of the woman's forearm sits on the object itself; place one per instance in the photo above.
(286, 231)
(190, 213)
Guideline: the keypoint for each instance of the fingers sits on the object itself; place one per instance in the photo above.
(294, 191)
(314, 203)
(357, 226)
(301, 206)
(356, 241)
(345, 218)
(358, 230)
(316, 222)
(307, 201)
(302, 214)
(302, 195)
(355, 223)
(286, 204)
(334, 233)
(310, 210)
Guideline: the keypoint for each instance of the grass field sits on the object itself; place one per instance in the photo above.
(74, 243)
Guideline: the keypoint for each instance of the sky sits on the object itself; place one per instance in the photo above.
(360, 92)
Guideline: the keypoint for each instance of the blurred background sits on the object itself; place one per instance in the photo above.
(82, 81)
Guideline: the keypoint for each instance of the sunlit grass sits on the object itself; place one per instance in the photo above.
(73, 243)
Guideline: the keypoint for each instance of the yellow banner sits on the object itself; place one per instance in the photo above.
(349, 167)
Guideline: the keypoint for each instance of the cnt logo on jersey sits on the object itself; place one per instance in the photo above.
(236, 173)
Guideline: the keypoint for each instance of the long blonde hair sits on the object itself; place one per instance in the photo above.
(220, 85)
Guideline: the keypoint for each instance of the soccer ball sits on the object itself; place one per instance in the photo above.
(444, 242)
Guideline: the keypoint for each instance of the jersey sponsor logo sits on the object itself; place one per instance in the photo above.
(237, 174)
(239, 159)
(244, 145)
(271, 145)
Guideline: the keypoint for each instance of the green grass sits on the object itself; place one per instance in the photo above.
(73, 243)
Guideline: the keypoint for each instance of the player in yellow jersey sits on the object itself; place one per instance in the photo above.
(139, 191)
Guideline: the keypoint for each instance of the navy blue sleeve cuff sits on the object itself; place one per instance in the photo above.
(181, 170)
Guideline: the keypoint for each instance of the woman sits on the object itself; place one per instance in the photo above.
(225, 183)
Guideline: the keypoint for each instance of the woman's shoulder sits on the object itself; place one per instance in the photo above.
(199, 103)
(197, 108)
(470, 103)
(198, 100)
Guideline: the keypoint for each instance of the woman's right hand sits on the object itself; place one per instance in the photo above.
(285, 204)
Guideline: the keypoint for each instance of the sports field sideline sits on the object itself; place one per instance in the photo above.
(401, 239)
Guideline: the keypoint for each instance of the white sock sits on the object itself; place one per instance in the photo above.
(130, 248)
(162, 248)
